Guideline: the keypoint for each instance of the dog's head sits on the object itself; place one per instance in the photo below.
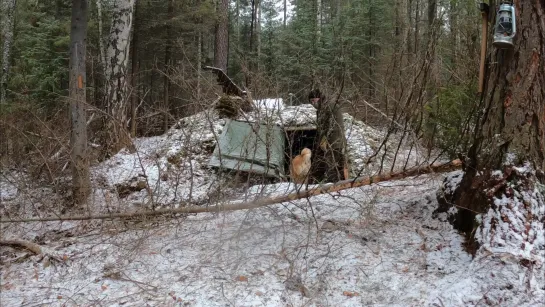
(306, 152)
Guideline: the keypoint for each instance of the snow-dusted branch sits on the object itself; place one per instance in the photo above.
(324, 189)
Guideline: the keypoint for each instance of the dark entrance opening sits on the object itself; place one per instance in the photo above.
(298, 138)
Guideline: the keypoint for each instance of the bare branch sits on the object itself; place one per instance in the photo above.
(324, 189)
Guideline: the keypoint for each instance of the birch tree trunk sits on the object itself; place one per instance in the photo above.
(8, 16)
(78, 136)
(510, 132)
(117, 59)
(135, 67)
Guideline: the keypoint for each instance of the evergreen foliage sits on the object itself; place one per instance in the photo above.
(376, 49)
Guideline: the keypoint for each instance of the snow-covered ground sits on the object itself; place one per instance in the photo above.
(376, 245)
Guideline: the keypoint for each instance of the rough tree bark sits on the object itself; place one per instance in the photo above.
(78, 136)
(251, 61)
(168, 60)
(222, 36)
(100, 37)
(453, 27)
(329, 152)
(432, 27)
(510, 130)
(117, 59)
(7, 12)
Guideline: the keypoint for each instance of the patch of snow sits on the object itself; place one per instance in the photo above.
(270, 103)
(301, 115)
(452, 181)
(514, 225)
(512, 233)
(172, 167)
(497, 174)
(8, 189)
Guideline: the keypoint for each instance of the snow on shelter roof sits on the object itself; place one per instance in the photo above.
(273, 111)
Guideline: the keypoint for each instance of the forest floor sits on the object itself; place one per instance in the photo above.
(378, 245)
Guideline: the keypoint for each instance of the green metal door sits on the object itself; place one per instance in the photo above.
(250, 147)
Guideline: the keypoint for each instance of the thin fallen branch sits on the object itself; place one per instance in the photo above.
(45, 253)
(31, 246)
(323, 189)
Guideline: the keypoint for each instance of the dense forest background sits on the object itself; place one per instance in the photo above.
(83, 79)
(413, 61)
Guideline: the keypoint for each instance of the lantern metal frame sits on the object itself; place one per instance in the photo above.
(502, 38)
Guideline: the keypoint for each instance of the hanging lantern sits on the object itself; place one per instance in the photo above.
(505, 28)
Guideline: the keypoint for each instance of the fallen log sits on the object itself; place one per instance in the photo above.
(323, 189)
(30, 246)
(36, 249)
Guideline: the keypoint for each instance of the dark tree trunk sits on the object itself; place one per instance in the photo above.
(432, 12)
(433, 80)
(285, 13)
(168, 56)
(222, 36)
(78, 135)
(511, 128)
(328, 158)
(250, 59)
(371, 61)
(453, 26)
(416, 25)
(410, 29)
